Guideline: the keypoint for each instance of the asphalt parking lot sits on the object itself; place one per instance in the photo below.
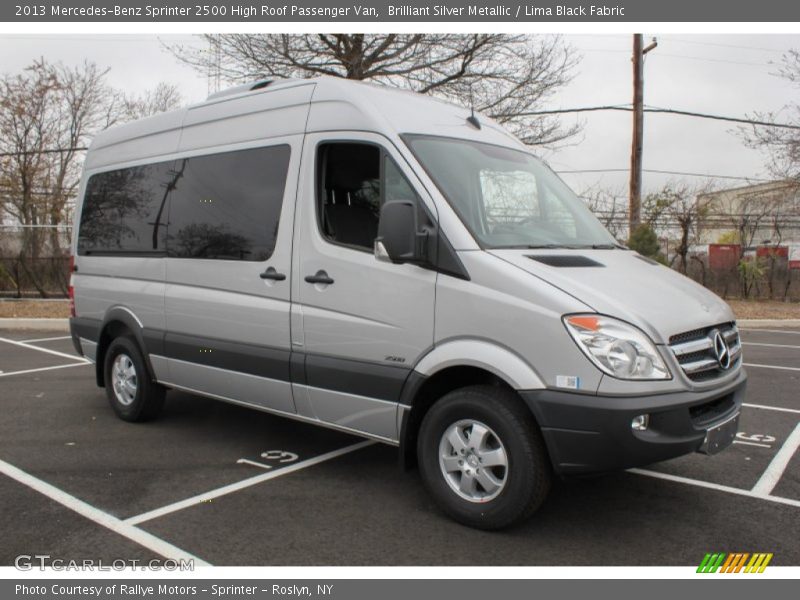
(230, 486)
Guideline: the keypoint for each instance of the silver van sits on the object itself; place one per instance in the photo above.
(392, 266)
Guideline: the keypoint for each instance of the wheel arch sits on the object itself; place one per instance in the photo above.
(117, 322)
(454, 365)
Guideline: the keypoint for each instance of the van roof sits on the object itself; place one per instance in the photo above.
(335, 104)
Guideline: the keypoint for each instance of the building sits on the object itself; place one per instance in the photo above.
(760, 214)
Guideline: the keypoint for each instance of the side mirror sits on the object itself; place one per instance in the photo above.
(398, 238)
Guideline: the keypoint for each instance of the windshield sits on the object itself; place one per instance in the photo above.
(507, 198)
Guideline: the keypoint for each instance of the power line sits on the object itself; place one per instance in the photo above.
(719, 45)
(665, 172)
(669, 111)
(46, 151)
(715, 60)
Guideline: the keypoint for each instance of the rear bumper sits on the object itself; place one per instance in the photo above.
(592, 434)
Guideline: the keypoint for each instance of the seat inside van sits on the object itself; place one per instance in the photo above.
(349, 193)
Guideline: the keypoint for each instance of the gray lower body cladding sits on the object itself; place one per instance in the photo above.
(588, 434)
(373, 380)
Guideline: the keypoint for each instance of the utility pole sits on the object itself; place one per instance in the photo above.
(635, 195)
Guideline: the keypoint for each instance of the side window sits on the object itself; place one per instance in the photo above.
(228, 205)
(124, 211)
(353, 182)
(397, 186)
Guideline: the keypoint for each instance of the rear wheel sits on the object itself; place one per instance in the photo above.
(482, 457)
(133, 395)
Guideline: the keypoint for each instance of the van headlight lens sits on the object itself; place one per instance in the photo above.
(617, 348)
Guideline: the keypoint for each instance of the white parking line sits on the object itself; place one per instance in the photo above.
(50, 339)
(245, 483)
(751, 444)
(25, 371)
(139, 536)
(772, 367)
(40, 349)
(716, 486)
(252, 463)
(770, 478)
(770, 345)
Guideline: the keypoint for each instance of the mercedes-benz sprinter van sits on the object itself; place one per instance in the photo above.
(391, 265)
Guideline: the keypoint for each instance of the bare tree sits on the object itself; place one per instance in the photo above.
(506, 77)
(610, 207)
(45, 115)
(781, 144)
(48, 113)
(679, 212)
(751, 213)
(163, 97)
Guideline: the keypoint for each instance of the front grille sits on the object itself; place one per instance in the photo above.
(697, 354)
(709, 412)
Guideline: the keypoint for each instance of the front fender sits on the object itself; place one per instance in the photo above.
(484, 354)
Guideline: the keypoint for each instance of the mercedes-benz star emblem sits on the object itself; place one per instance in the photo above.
(722, 351)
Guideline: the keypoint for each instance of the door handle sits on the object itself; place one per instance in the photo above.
(271, 273)
(319, 277)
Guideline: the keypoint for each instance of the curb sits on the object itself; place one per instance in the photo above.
(42, 324)
(768, 322)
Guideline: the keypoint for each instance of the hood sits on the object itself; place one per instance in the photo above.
(625, 285)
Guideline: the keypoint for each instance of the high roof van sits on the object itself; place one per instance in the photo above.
(396, 267)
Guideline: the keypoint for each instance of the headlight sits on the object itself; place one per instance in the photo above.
(616, 348)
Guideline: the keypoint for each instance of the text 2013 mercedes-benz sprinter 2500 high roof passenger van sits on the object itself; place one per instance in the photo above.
(386, 264)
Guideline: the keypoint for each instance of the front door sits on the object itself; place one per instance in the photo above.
(363, 322)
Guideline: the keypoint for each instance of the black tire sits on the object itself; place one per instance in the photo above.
(148, 399)
(527, 477)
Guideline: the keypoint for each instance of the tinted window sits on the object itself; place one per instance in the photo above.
(124, 210)
(227, 206)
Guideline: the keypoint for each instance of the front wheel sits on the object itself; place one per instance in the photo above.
(482, 457)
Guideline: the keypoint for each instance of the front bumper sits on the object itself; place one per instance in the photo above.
(592, 434)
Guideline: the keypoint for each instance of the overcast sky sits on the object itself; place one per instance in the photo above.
(720, 74)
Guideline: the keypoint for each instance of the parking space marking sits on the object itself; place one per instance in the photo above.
(244, 461)
(772, 367)
(716, 486)
(770, 478)
(40, 349)
(47, 339)
(778, 408)
(752, 444)
(139, 536)
(25, 371)
(770, 345)
(245, 483)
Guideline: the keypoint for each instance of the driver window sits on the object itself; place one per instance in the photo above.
(353, 181)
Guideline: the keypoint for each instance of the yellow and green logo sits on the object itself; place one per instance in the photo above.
(735, 562)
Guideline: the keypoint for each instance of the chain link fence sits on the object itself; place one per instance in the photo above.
(760, 275)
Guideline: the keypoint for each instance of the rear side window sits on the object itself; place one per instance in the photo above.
(124, 211)
(227, 206)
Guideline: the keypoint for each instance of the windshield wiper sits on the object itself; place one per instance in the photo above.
(576, 246)
(608, 247)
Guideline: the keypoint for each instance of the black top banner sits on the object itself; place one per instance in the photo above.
(401, 11)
